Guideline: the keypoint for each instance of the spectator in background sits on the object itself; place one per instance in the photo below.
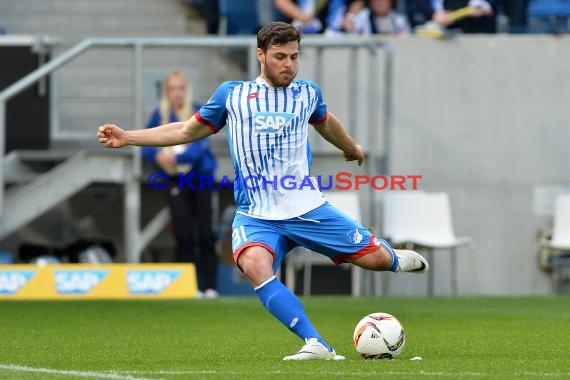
(379, 17)
(420, 12)
(212, 15)
(515, 11)
(317, 16)
(210, 10)
(191, 210)
(548, 16)
(439, 11)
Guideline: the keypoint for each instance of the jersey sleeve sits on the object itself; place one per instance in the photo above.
(214, 113)
(320, 114)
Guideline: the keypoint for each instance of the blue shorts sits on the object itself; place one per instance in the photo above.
(325, 230)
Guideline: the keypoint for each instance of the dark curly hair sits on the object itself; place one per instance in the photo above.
(277, 33)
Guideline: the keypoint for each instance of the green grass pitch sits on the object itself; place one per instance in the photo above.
(235, 338)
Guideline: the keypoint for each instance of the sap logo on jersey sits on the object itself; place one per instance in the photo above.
(150, 282)
(12, 281)
(77, 281)
(271, 121)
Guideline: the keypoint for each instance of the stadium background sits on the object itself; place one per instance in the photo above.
(484, 118)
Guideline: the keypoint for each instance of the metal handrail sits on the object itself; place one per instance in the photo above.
(87, 43)
(249, 42)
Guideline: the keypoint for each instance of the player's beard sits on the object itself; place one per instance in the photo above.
(282, 78)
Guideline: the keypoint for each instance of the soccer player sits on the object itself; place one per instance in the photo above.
(267, 120)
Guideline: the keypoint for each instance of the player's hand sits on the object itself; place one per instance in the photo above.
(166, 159)
(112, 136)
(357, 154)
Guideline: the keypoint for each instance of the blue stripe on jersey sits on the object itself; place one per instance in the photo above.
(310, 110)
(240, 194)
(259, 151)
(274, 143)
(258, 108)
(303, 121)
(233, 121)
(261, 167)
(267, 149)
(312, 107)
(256, 168)
(251, 129)
(309, 157)
(279, 139)
(267, 108)
(243, 150)
(291, 128)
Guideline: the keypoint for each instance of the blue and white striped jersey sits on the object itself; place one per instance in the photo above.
(268, 140)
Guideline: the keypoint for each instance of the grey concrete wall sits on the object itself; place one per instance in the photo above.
(486, 119)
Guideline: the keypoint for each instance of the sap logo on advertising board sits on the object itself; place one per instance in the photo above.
(77, 281)
(12, 281)
(150, 282)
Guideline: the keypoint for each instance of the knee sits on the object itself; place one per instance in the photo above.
(256, 263)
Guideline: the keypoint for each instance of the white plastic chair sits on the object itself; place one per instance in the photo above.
(347, 202)
(561, 229)
(423, 219)
(560, 240)
(436, 232)
(435, 227)
(398, 208)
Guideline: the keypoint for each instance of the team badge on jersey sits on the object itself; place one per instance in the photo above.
(354, 236)
(271, 121)
(296, 94)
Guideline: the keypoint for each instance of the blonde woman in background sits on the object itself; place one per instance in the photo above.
(190, 206)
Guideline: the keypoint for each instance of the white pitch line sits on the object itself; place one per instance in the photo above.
(181, 372)
(51, 371)
(128, 375)
(349, 373)
(541, 374)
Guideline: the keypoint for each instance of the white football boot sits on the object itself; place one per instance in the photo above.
(314, 350)
(410, 261)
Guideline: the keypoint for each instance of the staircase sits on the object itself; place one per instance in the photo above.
(94, 88)
(78, 19)
(26, 199)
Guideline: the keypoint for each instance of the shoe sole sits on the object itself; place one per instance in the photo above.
(315, 357)
(422, 269)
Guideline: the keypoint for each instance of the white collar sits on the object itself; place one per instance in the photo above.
(262, 82)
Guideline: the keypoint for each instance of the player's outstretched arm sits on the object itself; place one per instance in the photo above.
(165, 135)
(334, 133)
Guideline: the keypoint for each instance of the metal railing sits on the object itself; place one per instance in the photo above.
(372, 45)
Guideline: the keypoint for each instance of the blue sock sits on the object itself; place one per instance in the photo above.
(388, 247)
(287, 308)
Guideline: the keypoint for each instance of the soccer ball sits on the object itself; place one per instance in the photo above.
(379, 336)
